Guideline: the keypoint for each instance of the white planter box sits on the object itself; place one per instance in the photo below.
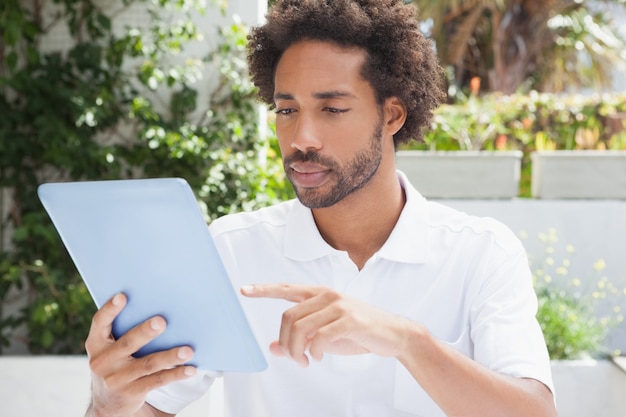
(579, 174)
(463, 174)
(589, 388)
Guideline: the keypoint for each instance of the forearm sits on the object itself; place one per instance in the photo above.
(146, 411)
(464, 388)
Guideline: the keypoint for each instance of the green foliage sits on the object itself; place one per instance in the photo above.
(569, 314)
(528, 123)
(569, 325)
(115, 103)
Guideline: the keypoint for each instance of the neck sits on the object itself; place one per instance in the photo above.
(361, 223)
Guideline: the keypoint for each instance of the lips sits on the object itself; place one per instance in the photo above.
(307, 174)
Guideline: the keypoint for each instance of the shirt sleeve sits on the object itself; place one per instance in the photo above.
(173, 397)
(507, 337)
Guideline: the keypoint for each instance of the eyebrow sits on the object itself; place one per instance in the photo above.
(320, 96)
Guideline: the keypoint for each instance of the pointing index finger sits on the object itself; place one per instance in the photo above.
(289, 292)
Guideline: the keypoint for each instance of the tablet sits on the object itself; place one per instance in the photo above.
(148, 239)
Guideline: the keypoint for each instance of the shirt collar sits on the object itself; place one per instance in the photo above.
(407, 243)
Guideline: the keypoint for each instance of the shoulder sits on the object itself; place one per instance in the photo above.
(269, 217)
(443, 223)
(486, 230)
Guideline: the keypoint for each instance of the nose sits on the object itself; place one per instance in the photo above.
(305, 135)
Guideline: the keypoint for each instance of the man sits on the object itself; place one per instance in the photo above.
(371, 300)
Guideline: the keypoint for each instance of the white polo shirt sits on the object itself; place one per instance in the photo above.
(465, 278)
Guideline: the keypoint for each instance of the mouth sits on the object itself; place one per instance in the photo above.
(307, 174)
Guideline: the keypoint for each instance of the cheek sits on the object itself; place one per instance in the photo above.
(352, 138)
(283, 143)
(283, 136)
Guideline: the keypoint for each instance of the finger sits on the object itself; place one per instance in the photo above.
(293, 293)
(276, 349)
(160, 361)
(301, 323)
(152, 371)
(118, 353)
(139, 336)
(102, 323)
(159, 379)
(121, 350)
(335, 338)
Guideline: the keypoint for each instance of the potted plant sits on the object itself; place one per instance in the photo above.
(464, 156)
(586, 157)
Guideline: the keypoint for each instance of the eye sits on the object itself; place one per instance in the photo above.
(335, 110)
(284, 112)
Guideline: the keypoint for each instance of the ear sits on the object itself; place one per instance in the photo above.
(395, 115)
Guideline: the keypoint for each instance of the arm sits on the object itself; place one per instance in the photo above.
(146, 411)
(465, 388)
(120, 382)
(324, 321)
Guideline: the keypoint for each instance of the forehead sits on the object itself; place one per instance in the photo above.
(319, 65)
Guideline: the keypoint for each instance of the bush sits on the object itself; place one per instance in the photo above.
(528, 122)
(114, 105)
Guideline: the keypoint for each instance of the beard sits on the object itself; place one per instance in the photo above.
(347, 179)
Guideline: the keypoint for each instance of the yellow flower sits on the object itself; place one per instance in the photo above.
(552, 237)
(599, 265)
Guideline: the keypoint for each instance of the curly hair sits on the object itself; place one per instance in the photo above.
(400, 60)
